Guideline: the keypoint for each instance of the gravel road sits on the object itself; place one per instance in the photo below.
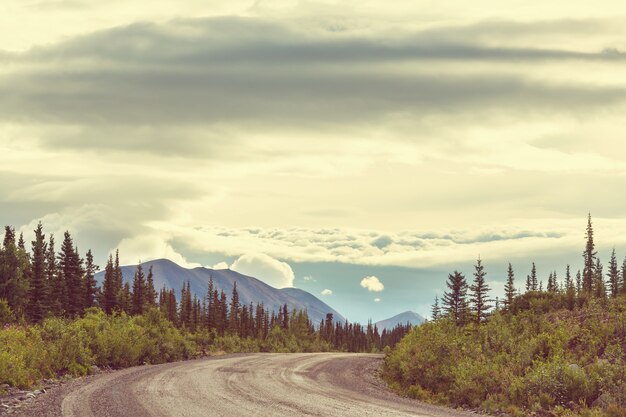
(325, 384)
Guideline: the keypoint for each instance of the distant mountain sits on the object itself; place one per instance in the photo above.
(402, 318)
(250, 289)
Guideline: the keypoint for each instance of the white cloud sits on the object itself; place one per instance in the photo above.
(309, 278)
(377, 300)
(327, 292)
(221, 265)
(372, 284)
(149, 247)
(269, 270)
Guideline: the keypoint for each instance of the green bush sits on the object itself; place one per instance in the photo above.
(58, 347)
(540, 357)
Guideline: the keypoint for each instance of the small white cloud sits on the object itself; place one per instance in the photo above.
(372, 284)
(377, 300)
(309, 278)
(221, 265)
(327, 292)
(269, 270)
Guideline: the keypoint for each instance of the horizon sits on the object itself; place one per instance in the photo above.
(358, 151)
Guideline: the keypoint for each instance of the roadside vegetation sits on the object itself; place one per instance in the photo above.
(558, 351)
(55, 320)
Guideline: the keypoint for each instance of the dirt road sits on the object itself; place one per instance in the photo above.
(326, 384)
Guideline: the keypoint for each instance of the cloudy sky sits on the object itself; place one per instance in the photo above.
(355, 149)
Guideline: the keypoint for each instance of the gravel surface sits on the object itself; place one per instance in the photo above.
(319, 384)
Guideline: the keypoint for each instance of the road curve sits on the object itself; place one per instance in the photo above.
(324, 384)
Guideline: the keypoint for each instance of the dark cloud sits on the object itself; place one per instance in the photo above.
(241, 70)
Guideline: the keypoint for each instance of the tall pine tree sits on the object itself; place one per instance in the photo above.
(589, 257)
(455, 300)
(479, 294)
(139, 289)
(509, 287)
(91, 286)
(38, 291)
(613, 275)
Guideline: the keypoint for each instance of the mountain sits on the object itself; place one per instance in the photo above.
(250, 289)
(402, 318)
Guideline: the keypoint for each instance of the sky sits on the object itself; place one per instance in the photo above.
(357, 150)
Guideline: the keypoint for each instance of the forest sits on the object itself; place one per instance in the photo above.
(56, 320)
(553, 350)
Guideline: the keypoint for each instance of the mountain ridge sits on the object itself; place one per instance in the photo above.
(403, 318)
(250, 289)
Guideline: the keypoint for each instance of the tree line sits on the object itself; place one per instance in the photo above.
(465, 302)
(43, 283)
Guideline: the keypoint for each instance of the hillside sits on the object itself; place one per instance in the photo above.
(250, 289)
(410, 317)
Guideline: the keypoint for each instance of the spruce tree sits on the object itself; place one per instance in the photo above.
(223, 313)
(91, 286)
(109, 288)
(613, 275)
(235, 310)
(479, 294)
(150, 292)
(71, 269)
(56, 287)
(533, 279)
(509, 287)
(210, 305)
(124, 299)
(14, 274)
(38, 291)
(436, 310)
(589, 256)
(599, 288)
(570, 290)
(623, 289)
(455, 300)
(139, 287)
(579, 283)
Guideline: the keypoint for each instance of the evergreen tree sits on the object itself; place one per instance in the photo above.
(118, 278)
(570, 290)
(579, 283)
(533, 278)
(599, 288)
(552, 283)
(436, 310)
(150, 292)
(285, 322)
(71, 269)
(14, 274)
(56, 287)
(479, 297)
(589, 256)
(614, 276)
(455, 301)
(509, 287)
(91, 286)
(139, 288)
(568, 279)
(223, 313)
(38, 294)
(125, 299)
(529, 284)
(21, 244)
(211, 305)
(624, 277)
(235, 310)
(109, 288)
